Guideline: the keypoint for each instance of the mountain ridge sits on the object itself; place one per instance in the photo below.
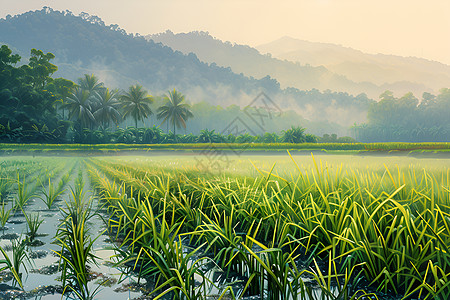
(381, 69)
(250, 62)
(84, 44)
(286, 37)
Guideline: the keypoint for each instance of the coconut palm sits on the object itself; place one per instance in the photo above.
(90, 83)
(293, 135)
(175, 111)
(208, 136)
(79, 105)
(106, 106)
(136, 102)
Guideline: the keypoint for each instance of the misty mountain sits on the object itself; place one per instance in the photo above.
(85, 44)
(250, 62)
(390, 72)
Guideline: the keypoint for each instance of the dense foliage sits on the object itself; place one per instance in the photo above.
(84, 44)
(154, 135)
(406, 119)
(37, 108)
(355, 229)
(27, 104)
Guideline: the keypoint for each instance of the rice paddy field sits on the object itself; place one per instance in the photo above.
(189, 226)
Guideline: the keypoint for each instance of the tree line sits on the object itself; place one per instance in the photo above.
(407, 119)
(92, 106)
(37, 108)
(34, 107)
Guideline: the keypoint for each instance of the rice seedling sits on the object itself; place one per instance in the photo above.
(4, 215)
(33, 224)
(23, 194)
(50, 194)
(64, 180)
(5, 185)
(19, 256)
(74, 238)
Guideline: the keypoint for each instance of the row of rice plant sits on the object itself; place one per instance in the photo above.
(26, 180)
(329, 232)
(74, 237)
(345, 230)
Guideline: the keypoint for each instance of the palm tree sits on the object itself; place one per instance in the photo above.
(208, 136)
(270, 137)
(293, 135)
(176, 111)
(79, 106)
(107, 105)
(90, 83)
(136, 102)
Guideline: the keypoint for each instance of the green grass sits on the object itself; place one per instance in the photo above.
(386, 225)
(51, 193)
(33, 224)
(39, 148)
(74, 239)
(288, 227)
(19, 256)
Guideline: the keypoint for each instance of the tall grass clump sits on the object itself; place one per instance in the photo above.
(33, 223)
(354, 232)
(4, 215)
(23, 194)
(51, 193)
(74, 238)
(19, 255)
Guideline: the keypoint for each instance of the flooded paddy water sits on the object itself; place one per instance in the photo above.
(42, 265)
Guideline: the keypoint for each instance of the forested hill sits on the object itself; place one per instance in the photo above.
(87, 43)
(249, 61)
(396, 73)
(315, 65)
(84, 44)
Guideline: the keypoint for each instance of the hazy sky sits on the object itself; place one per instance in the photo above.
(403, 27)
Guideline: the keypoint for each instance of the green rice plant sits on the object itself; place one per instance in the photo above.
(33, 224)
(435, 283)
(24, 193)
(176, 271)
(76, 253)
(5, 186)
(64, 180)
(221, 236)
(143, 232)
(340, 282)
(4, 215)
(18, 258)
(109, 191)
(126, 216)
(388, 225)
(50, 194)
(433, 276)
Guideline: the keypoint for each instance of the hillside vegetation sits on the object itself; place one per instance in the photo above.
(84, 45)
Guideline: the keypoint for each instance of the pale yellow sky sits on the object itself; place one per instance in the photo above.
(402, 27)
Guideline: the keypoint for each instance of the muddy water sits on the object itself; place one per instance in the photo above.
(43, 278)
